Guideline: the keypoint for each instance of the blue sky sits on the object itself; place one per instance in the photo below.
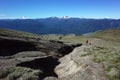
(59, 8)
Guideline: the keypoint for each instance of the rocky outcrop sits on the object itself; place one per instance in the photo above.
(32, 53)
(77, 66)
(12, 45)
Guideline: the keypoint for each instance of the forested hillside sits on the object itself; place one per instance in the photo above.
(59, 25)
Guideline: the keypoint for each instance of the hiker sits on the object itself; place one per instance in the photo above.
(86, 42)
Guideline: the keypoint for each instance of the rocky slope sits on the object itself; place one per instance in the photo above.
(76, 66)
(98, 60)
(12, 45)
(32, 58)
(21, 52)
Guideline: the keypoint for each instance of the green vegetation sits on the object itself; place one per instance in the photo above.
(14, 33)
(109, 58)
(74, 39)
(51, 37)
(82, 55)
(110, 35)
(19, 73)
(106, 51)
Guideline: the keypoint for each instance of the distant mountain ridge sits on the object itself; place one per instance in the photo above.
(59, 25)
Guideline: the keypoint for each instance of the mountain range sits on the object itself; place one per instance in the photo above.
(54, 25)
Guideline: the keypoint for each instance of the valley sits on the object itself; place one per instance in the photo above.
(59, 39)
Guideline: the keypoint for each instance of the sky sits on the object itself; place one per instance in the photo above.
(10, 9)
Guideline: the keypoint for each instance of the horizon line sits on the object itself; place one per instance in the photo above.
(64, 17)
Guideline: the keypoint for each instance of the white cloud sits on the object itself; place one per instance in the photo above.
(23, 17)
(107, 17)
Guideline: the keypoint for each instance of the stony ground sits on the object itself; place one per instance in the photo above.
(99, 59)
(75, 66)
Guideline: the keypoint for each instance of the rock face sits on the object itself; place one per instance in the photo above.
(32, 53)
(11, 45)
(77, 66)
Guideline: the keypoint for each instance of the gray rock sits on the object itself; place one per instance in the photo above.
(76, 67)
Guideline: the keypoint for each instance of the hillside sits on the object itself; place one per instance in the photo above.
(19, 34)
(110, 35)
(18, 47)
(59, 57)
(103, 53)
(104, 50)
(107, 35)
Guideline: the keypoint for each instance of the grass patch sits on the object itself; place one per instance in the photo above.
(82, 55)
(14, 33)
(109, 35)
(110, 58)
(20, 73)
